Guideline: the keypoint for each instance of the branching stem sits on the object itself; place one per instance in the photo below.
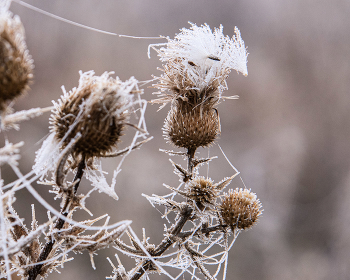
(202, 231)
(166, 243)
(175, 233)
(35, 271)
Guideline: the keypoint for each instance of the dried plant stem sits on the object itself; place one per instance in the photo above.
(190, 156)
(35, 271)
(79, 174)
(60, 174)
(18, 230)
(124, 151)
(166, 243)
(173, 235)
(203, 230)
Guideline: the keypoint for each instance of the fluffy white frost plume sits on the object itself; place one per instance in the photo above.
(201, 46)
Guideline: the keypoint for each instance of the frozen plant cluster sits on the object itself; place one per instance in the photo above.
(87, 123)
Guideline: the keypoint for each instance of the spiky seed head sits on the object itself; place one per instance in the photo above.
(98, 109)
(240, 209)
(202, 191)
(190, 127)
(16, 65)
(179, 84)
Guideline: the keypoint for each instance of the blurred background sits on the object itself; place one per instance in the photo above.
(288, 134)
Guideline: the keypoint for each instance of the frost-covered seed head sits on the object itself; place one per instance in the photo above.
(190, 127)
(240, 209)
(98, 109)
(16, 65)
(202, 191)
(199, 59)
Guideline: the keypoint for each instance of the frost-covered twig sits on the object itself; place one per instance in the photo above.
(9, 154)
(11, 120)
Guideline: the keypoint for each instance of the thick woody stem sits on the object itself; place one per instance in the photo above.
(35, 271)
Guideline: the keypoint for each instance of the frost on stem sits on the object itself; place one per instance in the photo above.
(203, 225)
(10, 153)
(200, 230)
(21, 247)
(10, 120)
(16, 65)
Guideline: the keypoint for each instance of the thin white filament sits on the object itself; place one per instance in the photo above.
(79, 24)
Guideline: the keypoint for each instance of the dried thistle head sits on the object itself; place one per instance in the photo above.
(202, 191)
(197, 62)
(16, 65)
(190, 127)
(240, 209)
(97, 110)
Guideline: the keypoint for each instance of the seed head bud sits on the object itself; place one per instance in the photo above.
(240, 209)
(16, 65)
(98, 109)
(190, 127)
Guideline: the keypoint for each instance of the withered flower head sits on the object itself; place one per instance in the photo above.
(98, 109)
(197, 62)
(16, 65)
(240, 209)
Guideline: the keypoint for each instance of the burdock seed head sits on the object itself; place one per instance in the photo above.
(189, 126)
(97, 111)
(16, 65)
(240, 209)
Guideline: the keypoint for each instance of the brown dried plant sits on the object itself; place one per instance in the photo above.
(197, 63)
(16, 65)
(87, 124)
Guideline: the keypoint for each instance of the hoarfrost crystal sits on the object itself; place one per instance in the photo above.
(199, 59)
